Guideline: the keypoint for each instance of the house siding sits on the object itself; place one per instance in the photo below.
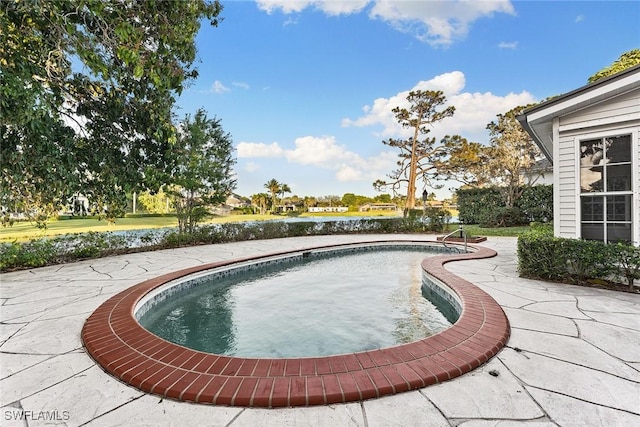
(636, 189)
(616, 110)
(567, 187)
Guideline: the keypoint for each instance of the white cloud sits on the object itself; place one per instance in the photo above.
(218, 87)
(434, 22)
(330, 7)
(319, 151)
(325, 153)
(380, 112)
(508, 45)
(259, 149)
(241, 85)
(473, 110)
(579, 18)
(437, 22)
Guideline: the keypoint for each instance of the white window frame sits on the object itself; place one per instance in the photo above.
(635, 179)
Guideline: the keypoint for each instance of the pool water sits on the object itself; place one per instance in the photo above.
(314, 307)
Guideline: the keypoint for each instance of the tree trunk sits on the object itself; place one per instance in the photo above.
(411, 190)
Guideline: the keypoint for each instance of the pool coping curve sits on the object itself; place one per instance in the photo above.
(123, 348)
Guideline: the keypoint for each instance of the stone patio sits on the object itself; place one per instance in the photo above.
(573, 358)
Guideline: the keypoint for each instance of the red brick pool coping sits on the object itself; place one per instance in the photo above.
(115, 339)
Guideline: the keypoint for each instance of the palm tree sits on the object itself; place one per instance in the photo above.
(284, 188)
(274, 188)
(260, 200)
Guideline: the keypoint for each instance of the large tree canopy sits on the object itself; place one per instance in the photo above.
(417, 157)
(87, 92)
(626, 60)
(512, 154)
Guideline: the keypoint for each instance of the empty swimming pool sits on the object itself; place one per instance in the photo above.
(327, 304)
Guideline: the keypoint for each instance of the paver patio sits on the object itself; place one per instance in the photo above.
(573, 358)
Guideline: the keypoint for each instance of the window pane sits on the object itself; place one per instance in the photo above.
(592, 209)
(591, 179)
(593, 231)
(619, 232)
(618, 149)
(591, 152)
(619, 178)
(619, 208)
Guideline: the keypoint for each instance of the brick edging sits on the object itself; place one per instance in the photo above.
(115, 339)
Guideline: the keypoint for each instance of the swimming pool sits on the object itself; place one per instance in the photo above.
(114, 338)
(315, 306)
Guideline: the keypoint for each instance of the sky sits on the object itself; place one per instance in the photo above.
(306, 87)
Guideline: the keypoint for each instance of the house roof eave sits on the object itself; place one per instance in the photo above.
(537, 120)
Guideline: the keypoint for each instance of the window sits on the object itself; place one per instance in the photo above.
(605, 187)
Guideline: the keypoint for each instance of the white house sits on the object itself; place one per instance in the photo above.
(328, 208)
(540, 174)
(591, 135)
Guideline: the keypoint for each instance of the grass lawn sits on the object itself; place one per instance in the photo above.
(25, 230)
(476, 230)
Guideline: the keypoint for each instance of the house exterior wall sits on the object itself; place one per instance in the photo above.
(619, 115)
(567, 191)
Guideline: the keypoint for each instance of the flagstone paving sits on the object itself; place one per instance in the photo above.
(573, 358)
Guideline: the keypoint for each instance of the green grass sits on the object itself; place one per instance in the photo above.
(22, 231)
(476, 230)
(25, 230)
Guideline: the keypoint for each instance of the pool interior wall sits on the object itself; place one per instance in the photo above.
(114, 338)
(326, 302)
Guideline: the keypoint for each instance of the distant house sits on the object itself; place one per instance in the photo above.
(328, 209)
(237, 201)
(286, 208)
(592, 137)
(378, 207)
(540, 174)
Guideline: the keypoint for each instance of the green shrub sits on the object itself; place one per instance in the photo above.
(35, 253)
(543, 256)
(437, 218)
(486, 206)
(474, 202)
(539, 256)
(502, 217)
(627, 258)
(536, 203)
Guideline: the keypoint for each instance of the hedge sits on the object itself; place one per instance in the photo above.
(543, 256)
(48, 251)
(486, 206)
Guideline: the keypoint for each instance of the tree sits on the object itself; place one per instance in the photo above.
(465, 162)
(417, 157)
(310, 202)
(87, 93)
(201, 169)
(260, 200)
(626, 60)
(284, 188)
(329, 200)
(511, 154)
(274, 188)
(156, 203)
(382, 198)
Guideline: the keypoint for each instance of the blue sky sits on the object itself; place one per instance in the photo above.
(306, 87)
